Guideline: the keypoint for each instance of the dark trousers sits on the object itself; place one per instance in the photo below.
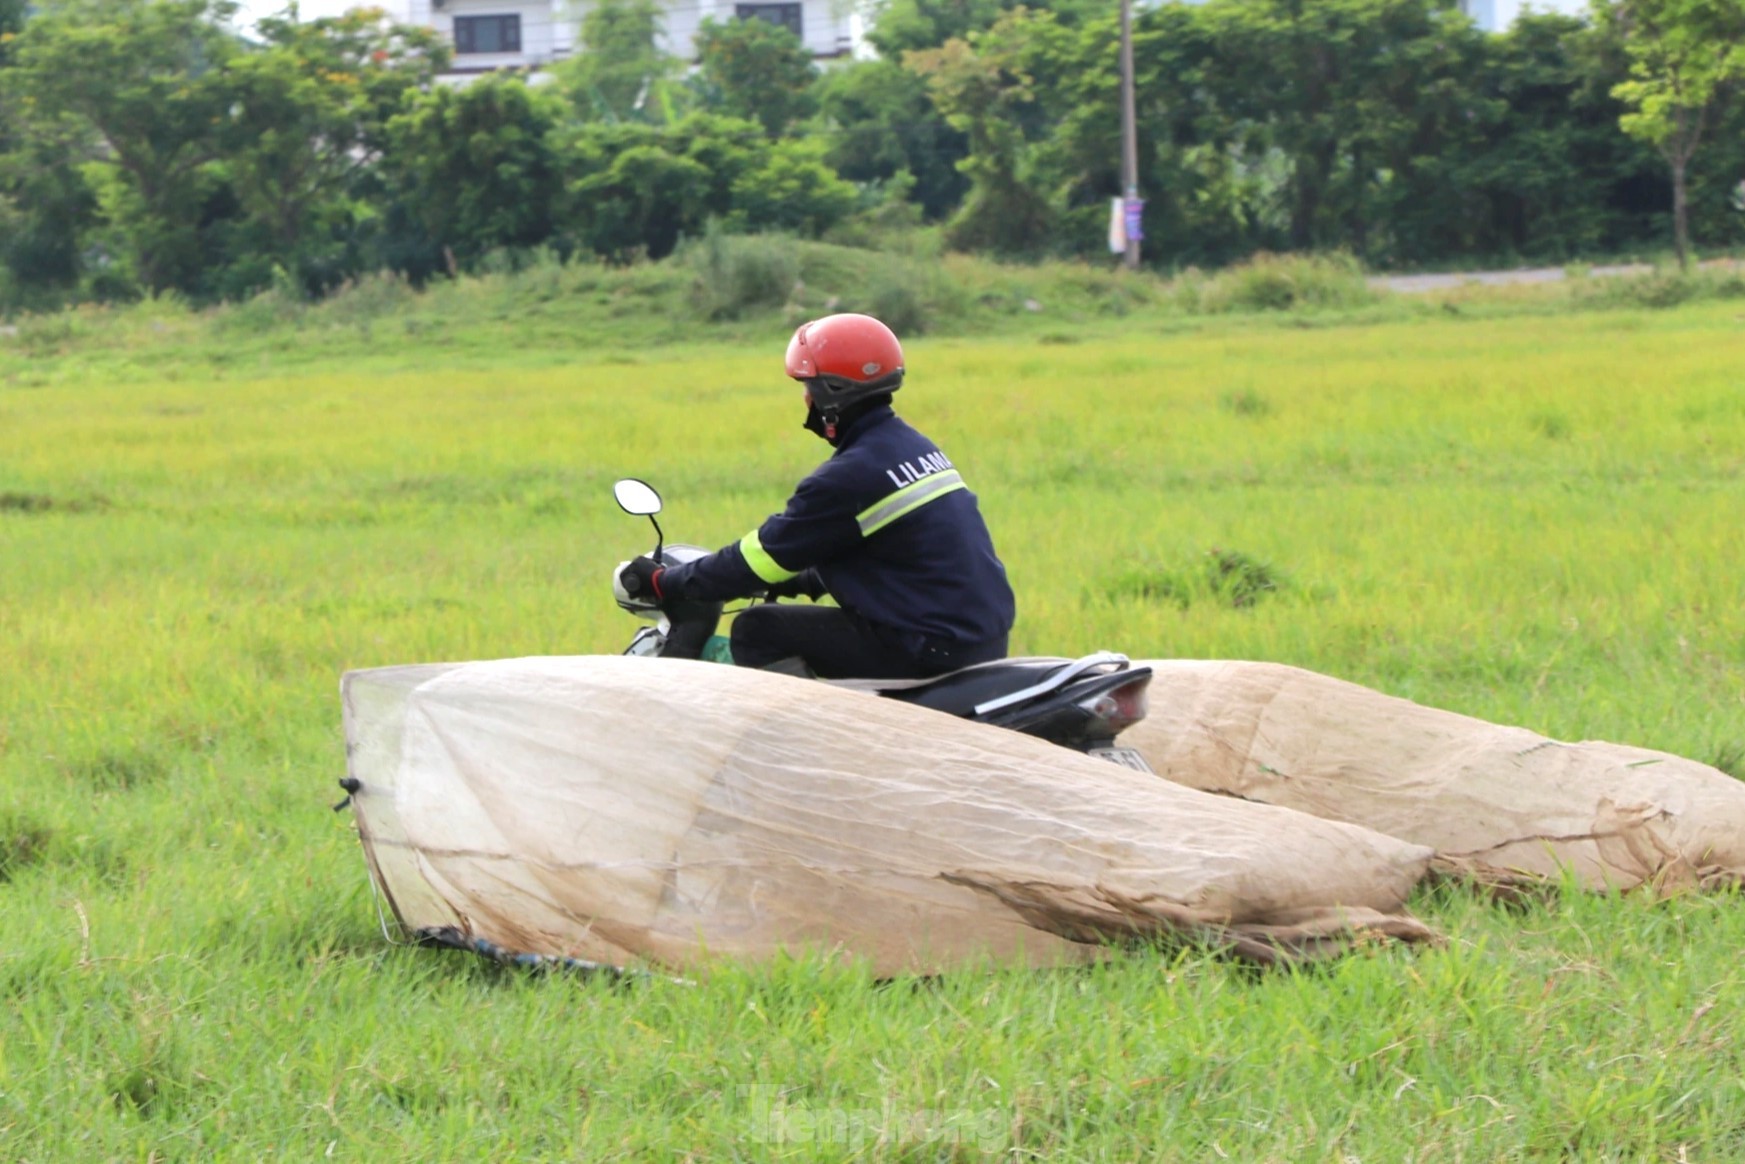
(837, 644)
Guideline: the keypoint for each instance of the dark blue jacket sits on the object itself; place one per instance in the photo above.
(893, 532)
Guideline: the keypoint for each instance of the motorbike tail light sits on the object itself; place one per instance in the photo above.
(1120, 708)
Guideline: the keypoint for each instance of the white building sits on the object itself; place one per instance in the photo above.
(1482, 13)
(829, 28)
(1489, 15)
(1498, 15)
(528, 34)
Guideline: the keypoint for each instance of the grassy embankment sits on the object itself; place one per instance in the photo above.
(1510, 509)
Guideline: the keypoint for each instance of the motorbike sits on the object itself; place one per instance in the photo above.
(1081, 704)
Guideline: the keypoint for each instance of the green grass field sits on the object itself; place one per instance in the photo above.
(1533, 518)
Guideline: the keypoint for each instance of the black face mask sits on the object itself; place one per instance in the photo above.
(814, 423)
(830, 426)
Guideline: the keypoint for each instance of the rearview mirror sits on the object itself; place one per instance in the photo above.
(636, 497)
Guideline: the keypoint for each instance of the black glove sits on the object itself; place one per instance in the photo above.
(805, 584)
(641, 578)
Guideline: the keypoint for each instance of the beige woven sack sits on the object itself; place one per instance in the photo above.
(1502, 804)
(655, 811)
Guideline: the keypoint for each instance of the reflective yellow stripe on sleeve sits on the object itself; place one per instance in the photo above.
(908, 499)
(761, 563)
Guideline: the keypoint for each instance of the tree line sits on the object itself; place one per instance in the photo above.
(147, 147)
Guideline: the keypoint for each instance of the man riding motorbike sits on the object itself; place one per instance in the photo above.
(886, 527)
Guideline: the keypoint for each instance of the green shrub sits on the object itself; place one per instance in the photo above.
(899, 303)
(1279, 283)
(882, 209)
(792, 190)
(282, 303)
(13, 502)
(912, 297)
(1553, 426)
(23, 842)
(1246, 402)
(735, 274)
(1662, 288)
(1236, 579)
(371, 297)
(1223, 577)
(49, 334)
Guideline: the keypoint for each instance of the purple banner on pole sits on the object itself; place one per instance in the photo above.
(1134, 210)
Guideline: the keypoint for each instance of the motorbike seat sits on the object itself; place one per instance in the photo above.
(968, 691)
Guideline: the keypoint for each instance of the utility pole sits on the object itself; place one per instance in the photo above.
(1129, 141)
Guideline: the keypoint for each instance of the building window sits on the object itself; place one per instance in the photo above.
(786, 15)
(487, 34)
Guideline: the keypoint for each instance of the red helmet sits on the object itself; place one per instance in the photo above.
(844, 359)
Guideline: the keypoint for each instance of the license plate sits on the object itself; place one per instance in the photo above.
(1126, 757)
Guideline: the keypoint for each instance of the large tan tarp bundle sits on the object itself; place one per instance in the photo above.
(1501, 804)
(654, 811)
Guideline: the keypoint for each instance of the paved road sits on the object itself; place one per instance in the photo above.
(1410, 283)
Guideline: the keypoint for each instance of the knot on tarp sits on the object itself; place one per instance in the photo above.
(351, 784)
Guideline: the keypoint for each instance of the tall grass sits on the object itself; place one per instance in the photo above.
(1532, 520)
(725, 288)
(738, 274)
(1278, 283)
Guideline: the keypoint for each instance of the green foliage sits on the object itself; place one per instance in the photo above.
(985, 93)
(477, 165)
(1228, 578)
(902, 26)
(756, 70)
(308, 118)
(564, 291)
(737, 274)
(1389, 128)
(1353, 90)
(1553, 176)
(629, 195)
(729, 148)
(637, 191)
(1246, 402)
(619, 73)
(907, 25)
(46, 209)
(1280, 283)
(1239, 579)
(881, 123)
(214, 166)
(204, 162)
(158, 115)
(1659, 289)
(897, 296)
(792, 190)
(1684, 54)
(12, 14)
(884, 217)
